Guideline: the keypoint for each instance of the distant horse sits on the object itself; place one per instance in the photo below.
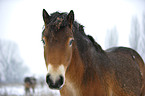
(78, 66)
(29, 82)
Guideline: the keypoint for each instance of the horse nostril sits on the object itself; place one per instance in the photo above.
(48, 80)
(61, 80)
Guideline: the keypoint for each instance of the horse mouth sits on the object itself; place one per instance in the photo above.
(55, 87)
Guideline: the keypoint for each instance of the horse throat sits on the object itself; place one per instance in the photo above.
(74, 74)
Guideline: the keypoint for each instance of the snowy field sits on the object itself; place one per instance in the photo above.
(18, 90)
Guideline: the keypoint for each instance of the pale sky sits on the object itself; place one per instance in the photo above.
(21, 21)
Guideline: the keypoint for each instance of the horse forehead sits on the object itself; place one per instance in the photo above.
(59, 37)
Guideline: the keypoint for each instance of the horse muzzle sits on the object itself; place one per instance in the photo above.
(55, 77)
(55, 83)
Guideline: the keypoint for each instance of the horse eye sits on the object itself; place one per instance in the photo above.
(43, 41)
(70, 42)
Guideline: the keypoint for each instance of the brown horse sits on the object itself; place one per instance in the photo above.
(29, 82)
(78, 66)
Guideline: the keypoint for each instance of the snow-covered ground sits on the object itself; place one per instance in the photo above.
(18, 90)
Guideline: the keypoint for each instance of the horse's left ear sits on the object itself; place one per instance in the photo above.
(70, 17)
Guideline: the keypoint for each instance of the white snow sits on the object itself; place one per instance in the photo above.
(18, 90)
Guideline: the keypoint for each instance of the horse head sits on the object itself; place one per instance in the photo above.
(58, 40)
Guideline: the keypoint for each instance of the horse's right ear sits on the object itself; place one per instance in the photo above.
(45, 16)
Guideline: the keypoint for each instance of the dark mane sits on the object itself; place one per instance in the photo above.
(59, 20)
(89, 39)
(97, 46)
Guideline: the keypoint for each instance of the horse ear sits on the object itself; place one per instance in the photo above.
(45, 16)
(70, 17)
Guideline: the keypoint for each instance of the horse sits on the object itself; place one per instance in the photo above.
(29, 82)
(78, 66)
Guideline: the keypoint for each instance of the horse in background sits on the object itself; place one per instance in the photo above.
(29, 83)
(78, 66)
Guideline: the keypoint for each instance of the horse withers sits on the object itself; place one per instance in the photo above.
(78, 66)
(29, 83)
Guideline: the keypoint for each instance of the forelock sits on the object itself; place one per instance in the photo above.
(58, 21)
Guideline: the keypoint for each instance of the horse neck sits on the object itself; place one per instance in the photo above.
(74, 73)
(76, 68)
(84, 71)
(82, 49)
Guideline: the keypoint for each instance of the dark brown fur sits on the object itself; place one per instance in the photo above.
(91, 71)
(29, 82)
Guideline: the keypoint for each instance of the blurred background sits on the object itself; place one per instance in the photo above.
(110, 22)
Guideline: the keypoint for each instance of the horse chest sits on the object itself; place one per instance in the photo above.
(70, 90)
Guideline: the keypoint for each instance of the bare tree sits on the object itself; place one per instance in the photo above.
(11, 64)
(111, 38)
(134, 34)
